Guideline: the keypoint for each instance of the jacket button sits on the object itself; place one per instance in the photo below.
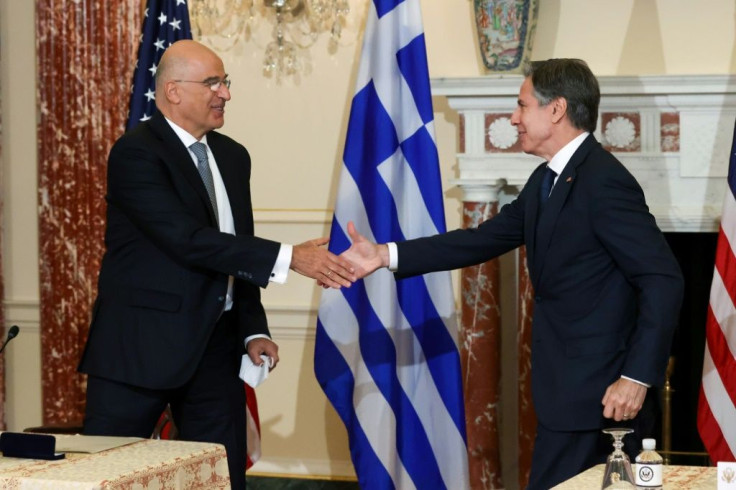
(537, 299)
(221, 298)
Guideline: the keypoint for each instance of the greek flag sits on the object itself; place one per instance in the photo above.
(386, 352)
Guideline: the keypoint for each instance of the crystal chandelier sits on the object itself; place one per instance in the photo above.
(297, 24)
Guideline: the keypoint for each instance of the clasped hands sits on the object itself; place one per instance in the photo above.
(313, 260)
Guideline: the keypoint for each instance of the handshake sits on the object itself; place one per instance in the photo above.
(363, 257)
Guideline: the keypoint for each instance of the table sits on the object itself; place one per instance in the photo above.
(673, 477)
(144, 465)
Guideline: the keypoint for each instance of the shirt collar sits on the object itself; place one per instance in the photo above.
(559, 161)
(186, 138)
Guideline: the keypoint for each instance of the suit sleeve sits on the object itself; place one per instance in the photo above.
(630, 235)
(162, 206)
(251, 314)
(466, 247)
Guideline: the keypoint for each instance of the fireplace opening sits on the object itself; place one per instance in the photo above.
(695, 253)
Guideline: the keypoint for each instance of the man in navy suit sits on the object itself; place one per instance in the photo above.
(179, 299)
(607, 287)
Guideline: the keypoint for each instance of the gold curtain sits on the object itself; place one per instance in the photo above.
(86, 52)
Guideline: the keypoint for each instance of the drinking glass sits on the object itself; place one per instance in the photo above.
(618, 474)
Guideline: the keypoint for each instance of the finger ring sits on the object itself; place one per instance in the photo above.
(626, 415)
(329, 273)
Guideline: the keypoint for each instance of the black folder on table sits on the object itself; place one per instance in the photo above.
(27, 445)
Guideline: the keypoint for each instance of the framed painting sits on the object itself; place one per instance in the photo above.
(505, 32)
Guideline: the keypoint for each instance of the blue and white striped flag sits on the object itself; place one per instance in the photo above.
(386, 352)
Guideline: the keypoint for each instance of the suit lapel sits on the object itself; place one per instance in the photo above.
(531, 216)
(178, 158)
(234, 181)
(547, 217)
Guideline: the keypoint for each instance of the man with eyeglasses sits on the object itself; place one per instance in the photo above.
(179, 299)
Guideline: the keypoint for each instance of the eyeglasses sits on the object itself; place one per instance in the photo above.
(214, 84)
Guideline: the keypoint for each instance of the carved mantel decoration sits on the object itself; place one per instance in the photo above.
(672, 132)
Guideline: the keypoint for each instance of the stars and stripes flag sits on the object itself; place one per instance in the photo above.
(717, 402)
(253, 429)
(386, 351)
(165, 22)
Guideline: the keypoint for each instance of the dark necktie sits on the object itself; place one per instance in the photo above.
(203, 166)
(548, 181)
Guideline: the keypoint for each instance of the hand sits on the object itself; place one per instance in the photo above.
(365, 255)
(623, 399)
(262, 345)
(311, 259)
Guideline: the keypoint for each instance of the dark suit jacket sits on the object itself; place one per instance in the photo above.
(164, 275)
(608, 289)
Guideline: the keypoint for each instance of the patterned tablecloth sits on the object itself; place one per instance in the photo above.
(673, 477)
(145, 465)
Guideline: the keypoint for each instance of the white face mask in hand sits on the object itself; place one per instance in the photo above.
(252, 374)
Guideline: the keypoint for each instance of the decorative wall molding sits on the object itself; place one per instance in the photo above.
(292, 322)
(23, 312)
(672, 132)
(286, 322)
(286, 216)
(500, 85)
(286, 467)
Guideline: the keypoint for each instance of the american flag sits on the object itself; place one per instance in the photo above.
(717, 402)
(165, 22)
(386, 352)
(253, 429)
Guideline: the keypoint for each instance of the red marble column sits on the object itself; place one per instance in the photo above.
(86, 55)
(527, 417)
(480, 337)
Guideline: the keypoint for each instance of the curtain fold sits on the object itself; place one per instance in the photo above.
(86, 52)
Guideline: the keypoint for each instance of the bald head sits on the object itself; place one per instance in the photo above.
(178, 58)
(185, 93)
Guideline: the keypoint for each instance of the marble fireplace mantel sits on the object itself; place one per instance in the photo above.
(672, 132)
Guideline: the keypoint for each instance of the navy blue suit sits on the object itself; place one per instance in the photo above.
(607, 287)
(157, 323)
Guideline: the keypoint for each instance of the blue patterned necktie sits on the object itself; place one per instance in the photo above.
(547, 182)
(203, 166)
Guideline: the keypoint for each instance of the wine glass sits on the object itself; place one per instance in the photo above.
(618, 474)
